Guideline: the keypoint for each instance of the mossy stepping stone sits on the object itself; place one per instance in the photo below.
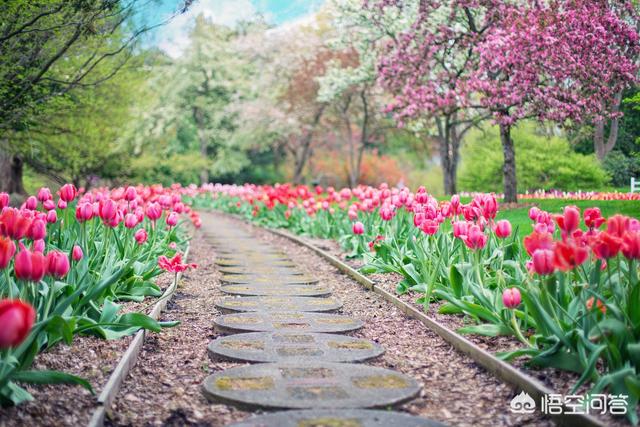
(278, 303)
(337, 418)
(293, 346)
(268, 279)
(309, 385)
(283, 322)
(290, 290)
(242, 262)
(261, 269)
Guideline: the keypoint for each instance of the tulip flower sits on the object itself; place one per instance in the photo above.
(567, 256)
(542, 262)
(108, 210)
(154, 211)
(38, 246)
(52, 217)
(130, 194)
(503, 229)
(49, 205)
(7, 250)
(17, 318)
(593, 218)
(14, 224)
(4, 200)
(44, 194)
(31, 203)
(618, 224)
(174, 265)
(38, 230)
(569, 220)
(68, 193)
(29, 265)
(630, 245)
(84, 211)
(57, 264)
(141, 236)
(605, 245)
(358, 228)
(77, 253)
(511, 298)
(537, 240)
(130, 220)
(430, 227)
(62, 204)
(599, 305)
(475, 238)
(172, 219)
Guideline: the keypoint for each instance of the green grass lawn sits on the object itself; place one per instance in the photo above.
(520, 217)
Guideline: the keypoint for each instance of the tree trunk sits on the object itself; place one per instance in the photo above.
(11, 167)
(600, 146)
(509, 166)
(448, 142)
(301, 160)
(198, 117)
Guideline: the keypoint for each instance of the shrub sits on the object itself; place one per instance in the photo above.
(621, 168)
(542, 162)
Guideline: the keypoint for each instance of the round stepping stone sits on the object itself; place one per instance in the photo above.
(290, 290)
(309, 385)
(261, 269)
(278, 303)
(337, 418)
(243, 262)
(293, 346)
(268, 279)
(282, 322)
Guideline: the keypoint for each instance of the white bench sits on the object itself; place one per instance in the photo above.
(635, 185)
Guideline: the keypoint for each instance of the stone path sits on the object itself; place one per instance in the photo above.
(278, 315)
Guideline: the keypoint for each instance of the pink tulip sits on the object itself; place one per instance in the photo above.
(68, 192)
(154, 211)
(77, 253)
(141, 236)
(62, 204)
(108, 210)
(543, 261)
(44, 194)
(511, 298)
(38, 230)
(49, 205)
(52, 217)
(130, 220)
(7, 250)
(38, 246)
(172, 219)
(31, 203)
(4, 200)
(358, 228)
(16, 318)
(130, 194)
(475, 238)
(57, 264)
(29, 265)
(503, 229)
(84, 211)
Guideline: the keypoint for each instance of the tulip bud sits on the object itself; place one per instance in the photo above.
(172, 219)
(7, 250)
(44, 194)
(130, 220)
(108, 210)
(16, 318)
(31, 203)
(503, 229)
(141, 236)
(49, 205)
(77, 253)
(62, 204)
(57, 264)
(68, 192)
(543, 261)
(511, 298)
(29, 265)
(154, 211)
(84, 211)
(358, 228)
(52, 217)
(4, 200)
(130, 194)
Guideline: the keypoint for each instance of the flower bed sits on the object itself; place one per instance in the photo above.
(68, 265)
(568, 292)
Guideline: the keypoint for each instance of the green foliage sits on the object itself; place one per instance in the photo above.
(621, 167)
(542, 162)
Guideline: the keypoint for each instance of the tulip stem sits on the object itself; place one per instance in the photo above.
(516, 329)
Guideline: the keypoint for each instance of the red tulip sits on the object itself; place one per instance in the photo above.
(29, 265)
(14, 224)
(537, 240)
(57, 264)
(68, 192)
(108, 210)
(618, 224)
(606, 245)
(430, 227)
(599, 305)
(542, 261)
(630, 245)
(568, 256)
(511, 298)
(7, 250)
(358, 228)
(141, 236)
(16, 318)
(593, 218)
(77, 253)
(503, 229)
(174, 265)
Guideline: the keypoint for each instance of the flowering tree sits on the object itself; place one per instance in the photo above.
(555, 61)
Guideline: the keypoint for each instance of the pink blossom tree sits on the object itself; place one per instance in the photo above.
(556, 61)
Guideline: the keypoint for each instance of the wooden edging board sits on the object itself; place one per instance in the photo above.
(128, 360)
